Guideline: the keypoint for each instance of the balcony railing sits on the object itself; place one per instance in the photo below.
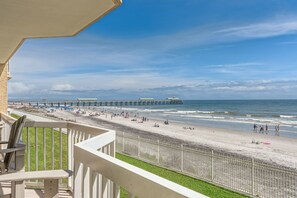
(89, 152)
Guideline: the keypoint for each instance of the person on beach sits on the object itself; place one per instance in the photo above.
(277, 130)
(266, 129)
(261, 129)
(255, 127)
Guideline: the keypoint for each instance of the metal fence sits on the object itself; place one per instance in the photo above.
(238, 173)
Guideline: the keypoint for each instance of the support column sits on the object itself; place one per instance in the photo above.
(3, 88)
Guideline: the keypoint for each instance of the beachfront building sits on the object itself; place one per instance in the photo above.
(86, 151)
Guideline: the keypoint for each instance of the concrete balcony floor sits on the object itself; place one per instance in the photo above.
(32, 193)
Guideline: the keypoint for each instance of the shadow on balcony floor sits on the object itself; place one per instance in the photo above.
(31, 193)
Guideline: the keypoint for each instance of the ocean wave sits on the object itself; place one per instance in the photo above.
(128, 109)
(186, 112)
(190, 112)
(180, 112)
(288, 116)
(289, 122)
(203, 116)
(152, 110)
(206, 112)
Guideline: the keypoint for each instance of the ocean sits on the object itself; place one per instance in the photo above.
(239, 115)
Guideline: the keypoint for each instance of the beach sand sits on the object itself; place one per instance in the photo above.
(277, 150)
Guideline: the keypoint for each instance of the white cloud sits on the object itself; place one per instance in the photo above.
(62, 87)
(18, 87)
(255, 86)
(262, 30)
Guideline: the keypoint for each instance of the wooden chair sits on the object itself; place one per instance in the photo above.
(16, 173)
(12, 145)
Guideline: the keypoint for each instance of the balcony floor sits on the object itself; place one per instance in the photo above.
(31, 193)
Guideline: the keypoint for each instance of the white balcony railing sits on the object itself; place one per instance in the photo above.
(90, 153)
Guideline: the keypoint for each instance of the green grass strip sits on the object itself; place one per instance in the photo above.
(186, 181)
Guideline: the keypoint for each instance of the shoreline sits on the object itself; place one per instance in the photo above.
(280, 150)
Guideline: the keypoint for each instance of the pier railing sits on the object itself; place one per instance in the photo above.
(234, 172)
(89, 152)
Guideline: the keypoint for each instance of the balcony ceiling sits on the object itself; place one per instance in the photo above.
(22, 19)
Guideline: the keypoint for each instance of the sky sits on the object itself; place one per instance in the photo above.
(192, 49)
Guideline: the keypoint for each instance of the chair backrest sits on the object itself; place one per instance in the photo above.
(14, 137)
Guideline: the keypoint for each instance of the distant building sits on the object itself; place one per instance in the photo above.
(173, 98)
(87, 99)
(146, 99)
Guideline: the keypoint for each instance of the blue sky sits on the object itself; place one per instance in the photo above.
(193, 49)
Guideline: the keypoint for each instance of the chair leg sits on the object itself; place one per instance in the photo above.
(51, 188)
(17, 189)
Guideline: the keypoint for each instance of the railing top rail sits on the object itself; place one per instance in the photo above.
(127, 175)
(42, 124)
(86, 128)
(99, 141)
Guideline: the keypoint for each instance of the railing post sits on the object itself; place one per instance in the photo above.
(86, 181)
(182, 158)
(28, 150)
(36, 148)
(115, 187)
(78, 178)
(18, 187)
(61, 149)
(138, 147)
(253, 176)
(70, 157)
(158, 154)
(53, 148)
(95, 190)
(211, 171)
(44, 148)
(105, 188)
(116, 191)
(123, 142)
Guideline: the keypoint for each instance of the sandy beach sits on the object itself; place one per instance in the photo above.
(272, 149)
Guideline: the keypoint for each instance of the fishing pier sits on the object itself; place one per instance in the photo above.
(86, 103)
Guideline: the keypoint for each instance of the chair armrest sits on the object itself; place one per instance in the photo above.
(11, 150)
(34, 175)
(3, 142)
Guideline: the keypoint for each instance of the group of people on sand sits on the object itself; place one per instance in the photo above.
(156, 125)
(264, 129)
(143, 119)
(166, 122)
(191, 128)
